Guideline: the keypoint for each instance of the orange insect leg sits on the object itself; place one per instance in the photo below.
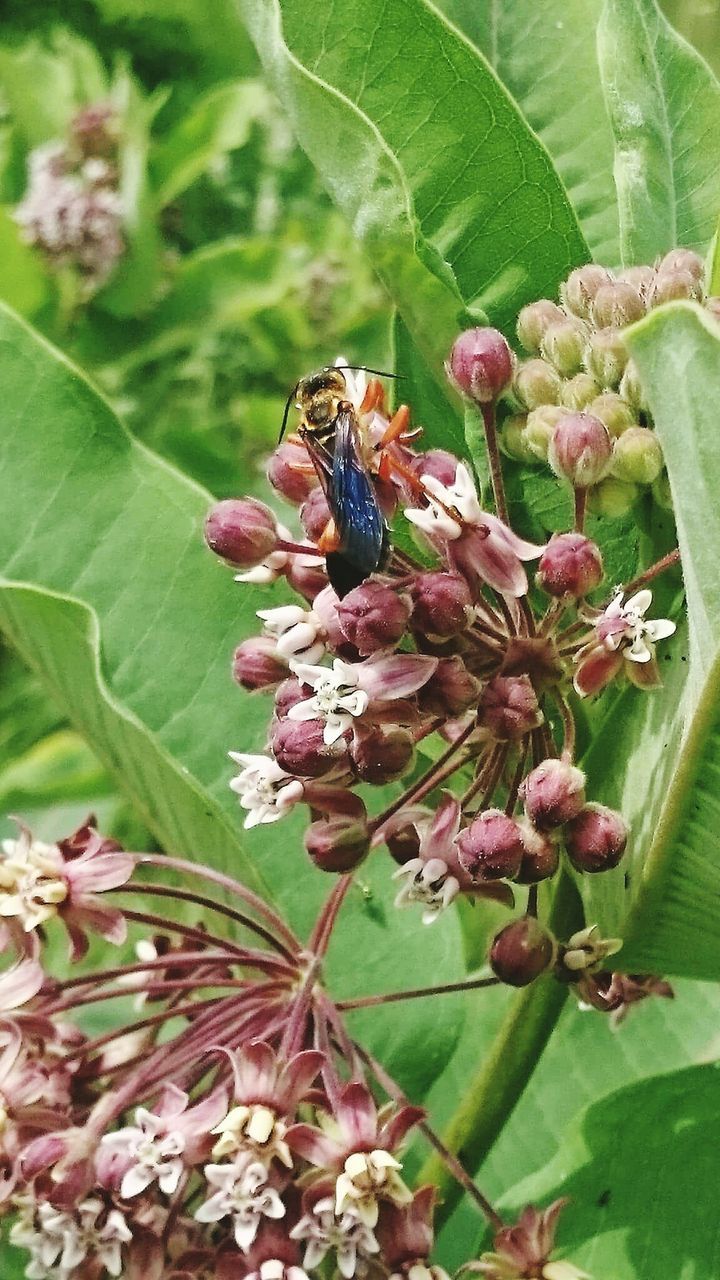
(397, 426)
(329, 539)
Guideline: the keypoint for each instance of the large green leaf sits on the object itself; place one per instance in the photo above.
(585, 1061)
(545, 55)
(453, 197)
(218, 122)
(664, 104)
(674, 921)
(636, 1165)
(108, 592)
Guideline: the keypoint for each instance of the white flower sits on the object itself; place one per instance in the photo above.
(356, 382)
(625, 625)
(253, 1126)
(347, 1234)
(337, 698)
(59, 1242)
(265, 790)
(275, 564)
(436, 519)
(156, 1154)
(242, 1194)
(31, 887)
(367, 1177)
(298, 632)
(427, 881)
(275, 1269)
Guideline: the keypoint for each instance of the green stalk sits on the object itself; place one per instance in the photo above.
(496, 1089)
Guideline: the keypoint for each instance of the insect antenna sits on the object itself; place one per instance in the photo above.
(288, 402)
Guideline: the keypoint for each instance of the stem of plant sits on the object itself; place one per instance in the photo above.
(496, 476)
(493, 1094)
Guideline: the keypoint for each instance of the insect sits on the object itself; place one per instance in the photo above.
(356, 541)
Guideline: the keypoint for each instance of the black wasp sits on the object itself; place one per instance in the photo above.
(357, 541)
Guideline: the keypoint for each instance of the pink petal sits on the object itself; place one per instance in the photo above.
(19, 984)
(443, 829)
(357, 1114)
(491, 560)
(399, 1125)
(173, 1102)
(297, 1077)
(313, 1145)
(256, 1072)
(205, 1115)
(89, 913)
(102, 871)
(644, 675)
(519, 546)
(395, 676)
(595, 670)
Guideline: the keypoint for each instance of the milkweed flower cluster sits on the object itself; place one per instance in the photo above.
(448, 670)
(230, 1129)
(72, 209)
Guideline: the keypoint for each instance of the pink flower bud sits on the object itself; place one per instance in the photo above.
(553, 793)
(491, 848)
(287, 695)
(374, 616)
(580, 450)
(338, 844)
(541, 857)
(242, 531)
(256, 664)
(442, 602)
(291, 472)
(641, 278)
(481, 364)
(581, 286)
(570, 565)
(596, 839)
(450, 690)
(437, 463)
(616, 305)
(533, 320)
(299, 748)
(403, 843)
(509, 707)
(306, 576)
(381, 755)
(671, 286)
(521, 952)
(683, 260)
(315, 514)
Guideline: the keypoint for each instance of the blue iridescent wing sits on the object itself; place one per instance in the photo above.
(353, 502)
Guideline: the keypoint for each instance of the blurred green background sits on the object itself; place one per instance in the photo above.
(237, 277)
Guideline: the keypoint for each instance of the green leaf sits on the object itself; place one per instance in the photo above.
(664, 777)
(584, 1062)
(664, 104)
(107, 590)
(454, 199)
(58, 769)
(545, 55)
(134, 285)
(436, 408)
(634, 1165)
(24, 284)
(218, 122)
(45, 82)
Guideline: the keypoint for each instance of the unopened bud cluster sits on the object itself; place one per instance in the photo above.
(72, 209)
(576, 402)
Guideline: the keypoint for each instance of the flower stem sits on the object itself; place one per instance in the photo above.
(450, 1163)
(492, 1095)
(672, 558)
(209, 904)
(417, 993)
(580, 506)
(496, 476)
